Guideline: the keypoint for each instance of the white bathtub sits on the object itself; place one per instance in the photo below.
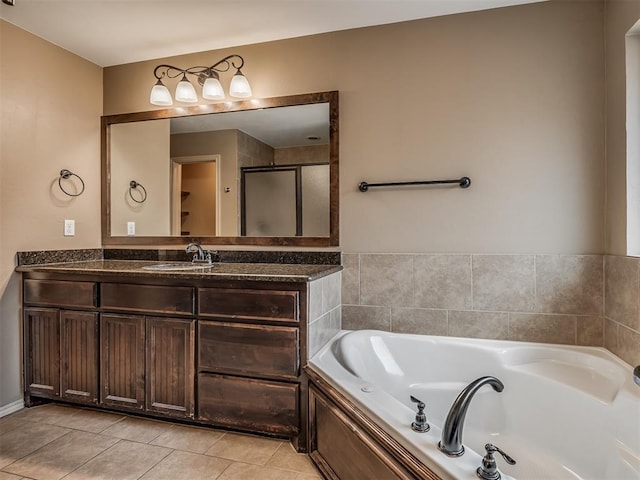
(565, 412)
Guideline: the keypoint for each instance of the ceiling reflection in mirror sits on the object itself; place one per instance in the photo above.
(265, 175)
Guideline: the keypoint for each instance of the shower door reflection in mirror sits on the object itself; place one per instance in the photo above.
(292, 200)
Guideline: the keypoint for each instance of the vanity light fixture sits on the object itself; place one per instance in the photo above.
(208, 77)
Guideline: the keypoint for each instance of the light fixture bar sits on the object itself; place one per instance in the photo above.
(207, 77)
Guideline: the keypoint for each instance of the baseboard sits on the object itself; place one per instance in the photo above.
(12, 407)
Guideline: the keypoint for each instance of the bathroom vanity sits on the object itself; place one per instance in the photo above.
(221, 346)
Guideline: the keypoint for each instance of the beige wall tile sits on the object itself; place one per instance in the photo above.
(526, 327)
(331, 292)
(419, 321)
(569, 284)
(351, 278)
(356, 317)
(590, 331)
(442, 281)
(470, 324)
(315, 300)
(386, 279)
(503, 283)
(321, 331)
(610, 335)
(628, 346)
(622, 290)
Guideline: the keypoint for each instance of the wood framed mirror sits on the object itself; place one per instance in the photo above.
(224, 174)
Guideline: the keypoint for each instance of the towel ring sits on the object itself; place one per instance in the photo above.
(133, 185)
(66, 175)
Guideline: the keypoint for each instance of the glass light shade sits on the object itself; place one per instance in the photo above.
(185, 92)
(239, 87)
(160, 95)
(212, 89)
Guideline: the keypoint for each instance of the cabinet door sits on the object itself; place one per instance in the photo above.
(42, 329)
(122, 361)
(170, 366)
(79, 356)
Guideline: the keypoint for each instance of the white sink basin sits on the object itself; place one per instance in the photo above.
(175, 266)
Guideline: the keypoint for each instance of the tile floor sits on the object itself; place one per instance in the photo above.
(52, 442)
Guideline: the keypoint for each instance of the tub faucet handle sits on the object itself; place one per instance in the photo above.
(488, 470)
(420, 423)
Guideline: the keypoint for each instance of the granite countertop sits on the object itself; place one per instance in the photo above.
(270, 272)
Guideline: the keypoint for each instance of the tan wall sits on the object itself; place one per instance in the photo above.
(252, 152)
(140, 152)
(51, 102)
(511, 97)
(225, 144)
(198, 179)
(296, 155)
(620, 16)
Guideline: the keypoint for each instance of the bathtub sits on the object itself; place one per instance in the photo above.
(565, 412)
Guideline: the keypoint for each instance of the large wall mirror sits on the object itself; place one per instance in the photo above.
(255, 172)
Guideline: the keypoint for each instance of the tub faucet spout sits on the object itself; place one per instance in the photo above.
(451, 442)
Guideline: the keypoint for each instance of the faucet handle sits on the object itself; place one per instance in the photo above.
(488, 470)
(420, 423)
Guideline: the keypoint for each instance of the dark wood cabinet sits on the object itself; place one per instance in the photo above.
(249, 350)
(226, 353)
(170, 366)
(42, 328)
(122, 343)
(79, 353)
(249, 403)
(62, 354)
(148, 364)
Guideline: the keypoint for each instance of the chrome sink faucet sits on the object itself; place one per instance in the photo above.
(200, 255)
(451, 442)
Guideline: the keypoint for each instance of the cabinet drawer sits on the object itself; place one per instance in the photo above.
(147, 298)
(248, 349)
(256, 405)
(60, 293)
(272, 305)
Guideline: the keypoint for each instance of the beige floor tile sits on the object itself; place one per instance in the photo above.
(90, 420)
(62, 456)
(137, 429)
(288, 459)
(187, 465)
(9, 476)
(243, 471)
(48, 413)
(191, 439)
(245, 448)
(10, 423)
(27, 439)
(124, 461)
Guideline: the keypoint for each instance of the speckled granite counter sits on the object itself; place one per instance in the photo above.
(266, 272)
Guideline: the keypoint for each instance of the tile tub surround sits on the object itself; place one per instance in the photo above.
(591, 300)
(325, 314)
